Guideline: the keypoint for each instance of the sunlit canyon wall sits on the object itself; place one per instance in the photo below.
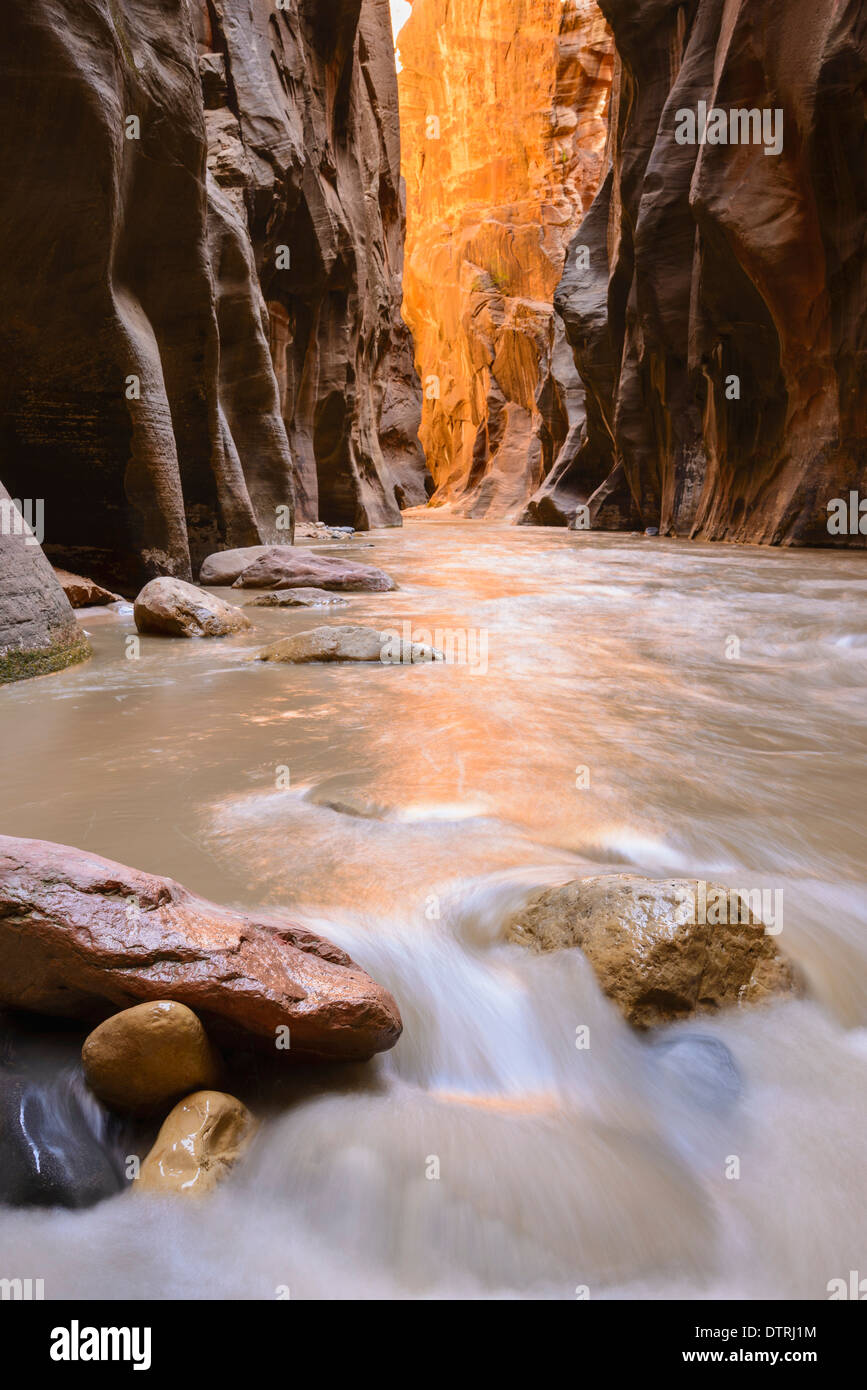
(504, 123)
(713, 296)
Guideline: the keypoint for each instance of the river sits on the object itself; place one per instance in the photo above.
(643, 704)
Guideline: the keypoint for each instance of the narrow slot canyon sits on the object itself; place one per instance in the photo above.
(433, 510)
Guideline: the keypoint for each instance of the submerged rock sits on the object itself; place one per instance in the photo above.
(58, 1145)
(701, 1071)
(649, 953)
(82, 936)
(296, 598)
(84, 593)
(290, 567)
(178, 609)
(199, 1142)
(147, 1056)
(349, 643)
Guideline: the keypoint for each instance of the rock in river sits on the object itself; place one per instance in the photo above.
(147, 1056)
(82, 936)
(178, 609)
(59, 1146)
(82, 592)
(200, 1140)
(296, 598)
(349, 643)
(291, 567)
(651, 952)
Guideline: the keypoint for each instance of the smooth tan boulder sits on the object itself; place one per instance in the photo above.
(349, 643)
(198, 1143)
(82, 936)
(650, 950)
(147, 1056)
(177, 609)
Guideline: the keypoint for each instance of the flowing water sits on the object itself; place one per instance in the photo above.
(636, 704)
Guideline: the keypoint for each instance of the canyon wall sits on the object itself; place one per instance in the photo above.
(200, 265)
(715, 294)
(504, 123)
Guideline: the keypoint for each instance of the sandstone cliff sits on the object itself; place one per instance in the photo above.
(168, 168)
(717, 314)
(503, 118)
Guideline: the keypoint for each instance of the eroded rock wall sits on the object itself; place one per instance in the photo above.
(504, 120)
(719, 323)
(304, 139)
(156, 153)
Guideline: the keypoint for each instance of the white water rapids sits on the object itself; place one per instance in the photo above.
(425, 803)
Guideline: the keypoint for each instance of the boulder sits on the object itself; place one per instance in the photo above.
(147, 1056)
(38, 630)
(82, 936)
(199, 1142)
(58, 1146)
(349, 643)
(652, 954)
(84, 593)
(290, 567)
(178, 609)
(296, 598)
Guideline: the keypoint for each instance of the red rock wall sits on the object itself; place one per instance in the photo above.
(712, 262)
(154, 257)
(503, 119)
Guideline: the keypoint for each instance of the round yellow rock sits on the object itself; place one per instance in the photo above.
(197, 1145)
(147, 1056)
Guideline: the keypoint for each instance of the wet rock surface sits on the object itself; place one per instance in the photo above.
(177, 609)
(297, 598)
(82, 936)
(650, 949)
(144, 1057)
(349, 643)
(198, 1144)
(291, 567)
(59, 1146)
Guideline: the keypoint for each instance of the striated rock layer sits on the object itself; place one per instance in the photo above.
(503, 118)
(156, 158)
(718, 314)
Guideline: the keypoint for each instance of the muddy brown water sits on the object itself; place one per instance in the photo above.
(650, 705)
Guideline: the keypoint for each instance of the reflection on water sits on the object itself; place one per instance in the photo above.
(668, 707)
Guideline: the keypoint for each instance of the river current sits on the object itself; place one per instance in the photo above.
(634, 704)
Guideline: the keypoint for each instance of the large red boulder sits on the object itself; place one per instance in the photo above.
(82, 936)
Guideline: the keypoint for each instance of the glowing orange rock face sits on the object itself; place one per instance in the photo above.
(504, 107)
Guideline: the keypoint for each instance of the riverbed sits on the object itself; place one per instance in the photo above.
(634, 704)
